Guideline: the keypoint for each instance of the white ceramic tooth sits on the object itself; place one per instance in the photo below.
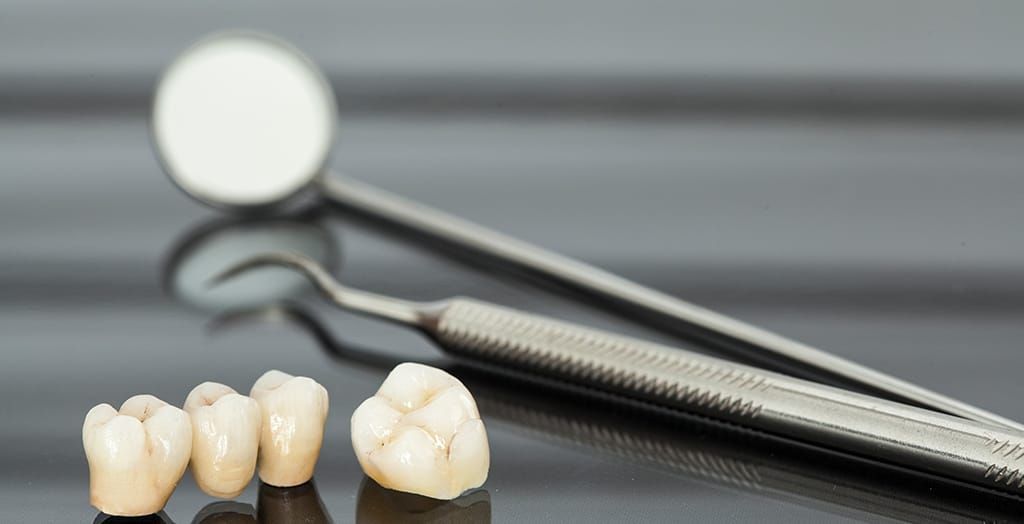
(225, 438)
(421, 433)
(136, 455)
(294, 411)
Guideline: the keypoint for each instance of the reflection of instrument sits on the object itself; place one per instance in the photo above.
(678, 379)
(690, 447)
(207, 249)
(745, 461)
(244, 121)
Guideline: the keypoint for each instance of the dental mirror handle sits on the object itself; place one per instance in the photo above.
(417, 217)
(678, 379)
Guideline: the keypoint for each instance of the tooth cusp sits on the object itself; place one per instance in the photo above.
(136, 455)
(421, 433)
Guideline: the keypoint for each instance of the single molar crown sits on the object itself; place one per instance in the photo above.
(294, 412)
(421, 433)
(225, 438)
(136, 454)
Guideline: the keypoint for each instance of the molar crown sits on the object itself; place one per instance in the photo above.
(136, 454)
(421, 433)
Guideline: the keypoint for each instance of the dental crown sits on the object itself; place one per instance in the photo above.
(421, 433)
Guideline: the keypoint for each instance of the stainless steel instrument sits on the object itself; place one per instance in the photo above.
(978, 453)
(265, 148)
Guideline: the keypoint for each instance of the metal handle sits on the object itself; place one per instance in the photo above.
(679, 379)
(425, 220)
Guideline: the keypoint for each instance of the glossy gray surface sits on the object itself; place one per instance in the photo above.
(887, 236)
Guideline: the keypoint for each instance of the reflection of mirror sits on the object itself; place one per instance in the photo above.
(208, 249)
(295, 504)
(686, 446)
(377, 505)
(159, 518)
(226, 512)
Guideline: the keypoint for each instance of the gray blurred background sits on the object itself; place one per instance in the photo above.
(848, 174)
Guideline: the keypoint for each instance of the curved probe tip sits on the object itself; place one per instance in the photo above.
(352, 299)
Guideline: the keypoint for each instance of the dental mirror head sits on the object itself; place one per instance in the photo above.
(243, 121)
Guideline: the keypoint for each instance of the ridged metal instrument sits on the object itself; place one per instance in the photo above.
(673, 378)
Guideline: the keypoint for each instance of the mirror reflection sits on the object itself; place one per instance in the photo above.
(295, 504)
(374, 505)
(159, 518)
(207, 249)
(377, 505)
(226, 512)
(273, 506)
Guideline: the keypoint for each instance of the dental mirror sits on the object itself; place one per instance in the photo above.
(243, 120)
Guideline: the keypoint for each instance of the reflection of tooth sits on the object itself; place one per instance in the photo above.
(421, 433)
(225, 438)
(294, 411)
(136, 456)
(292, 505)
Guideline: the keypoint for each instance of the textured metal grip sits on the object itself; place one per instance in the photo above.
(749, 396)
(636, 368)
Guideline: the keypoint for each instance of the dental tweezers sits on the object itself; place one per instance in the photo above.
(677, 379)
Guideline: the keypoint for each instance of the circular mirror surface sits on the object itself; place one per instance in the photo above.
(243, 120)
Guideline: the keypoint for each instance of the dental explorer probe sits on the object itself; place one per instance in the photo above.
(244, 121)
(673, 378)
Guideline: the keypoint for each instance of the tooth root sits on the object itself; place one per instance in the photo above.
(294, 412)
(421, 433)
(225, 438)
(136, 455)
